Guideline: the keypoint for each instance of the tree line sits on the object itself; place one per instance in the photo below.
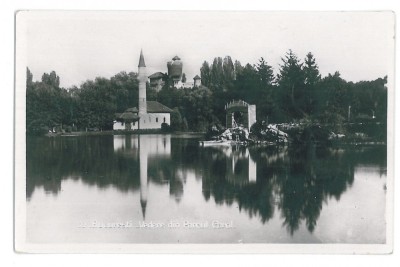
(296, 93)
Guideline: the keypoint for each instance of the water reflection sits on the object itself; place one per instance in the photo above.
(263, 183)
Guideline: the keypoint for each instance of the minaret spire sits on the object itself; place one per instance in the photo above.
(143, 204)
(141, 60)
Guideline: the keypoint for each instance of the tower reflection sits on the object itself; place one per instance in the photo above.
(147, 148)
(143, 154)
(240, 167)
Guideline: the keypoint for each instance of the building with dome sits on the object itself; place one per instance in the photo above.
(175, 70)
(174, 75)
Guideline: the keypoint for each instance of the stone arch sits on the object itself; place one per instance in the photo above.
(247, 112)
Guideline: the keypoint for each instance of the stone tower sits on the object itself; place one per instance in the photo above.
(196, 81)
(142, 85)
(175, 70)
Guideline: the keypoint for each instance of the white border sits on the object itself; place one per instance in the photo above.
(10, 258)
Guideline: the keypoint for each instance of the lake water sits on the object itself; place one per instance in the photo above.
(168, 189)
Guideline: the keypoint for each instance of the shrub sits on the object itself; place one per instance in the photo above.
(165, 127)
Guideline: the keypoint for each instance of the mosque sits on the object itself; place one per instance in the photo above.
(149, 115)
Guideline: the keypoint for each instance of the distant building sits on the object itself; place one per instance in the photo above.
(157, 80)
(174, 75)
(175, 70)
(184, 85)
(156, 115)
(126, 120)
(149, 115)
(196, 81)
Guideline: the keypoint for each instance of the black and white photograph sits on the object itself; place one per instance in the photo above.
(206, 131)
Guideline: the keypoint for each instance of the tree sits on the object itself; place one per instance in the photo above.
(51, 79)
(247, 84)
(369, 98)
(170, 96)
(45, 103)
(266, 104)
(196, 108)
(217, 74)
(125, 88)
(176, 120)
(291, 85)
(205, 73)
(335, 100)
(311, 71)
(229, 73)
(265, 73)
(238, 68)
(97, 104)
(29, 79)
(311, 78)
(183, 77)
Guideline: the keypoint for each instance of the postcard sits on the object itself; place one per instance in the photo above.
(204, 132)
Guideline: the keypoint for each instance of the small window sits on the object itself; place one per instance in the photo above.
(164, 119)
(157, 119)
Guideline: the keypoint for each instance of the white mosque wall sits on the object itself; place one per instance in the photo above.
(153, 120)
(147, 121)
(118, 126)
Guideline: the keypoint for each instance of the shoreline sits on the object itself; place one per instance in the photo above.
(111, 132)
(198, 134)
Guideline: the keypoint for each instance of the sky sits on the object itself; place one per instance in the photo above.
(82, 45)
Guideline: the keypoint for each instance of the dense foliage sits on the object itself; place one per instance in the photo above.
(296, 93)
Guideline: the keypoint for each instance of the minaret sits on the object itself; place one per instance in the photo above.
(142, 85)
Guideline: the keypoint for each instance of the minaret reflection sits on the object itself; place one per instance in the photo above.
(143, 154)
(149, 149)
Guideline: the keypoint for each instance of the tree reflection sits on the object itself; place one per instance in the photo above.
(263, 182)
(90, 159)
(296, 181)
